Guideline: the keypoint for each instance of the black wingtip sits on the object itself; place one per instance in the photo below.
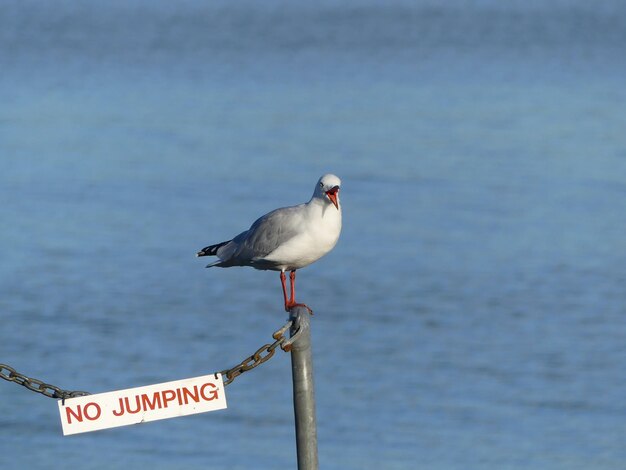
(211, 250)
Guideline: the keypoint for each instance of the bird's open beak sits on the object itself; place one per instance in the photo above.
(332, 195)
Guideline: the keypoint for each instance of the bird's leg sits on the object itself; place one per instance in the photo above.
(283, 281)
(292, 284)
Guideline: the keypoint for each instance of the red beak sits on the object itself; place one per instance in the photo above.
(332, 195)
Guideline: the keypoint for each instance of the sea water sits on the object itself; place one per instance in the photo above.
(472, 313)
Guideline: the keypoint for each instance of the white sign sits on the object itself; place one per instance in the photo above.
(142, 404)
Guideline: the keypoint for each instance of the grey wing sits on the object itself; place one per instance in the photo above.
(266, 234)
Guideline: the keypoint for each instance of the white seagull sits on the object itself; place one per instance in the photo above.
(288, 238)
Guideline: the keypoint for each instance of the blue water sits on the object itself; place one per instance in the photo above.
(472, 314)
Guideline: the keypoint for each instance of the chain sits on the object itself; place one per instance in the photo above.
(52, 391)
(263, 354)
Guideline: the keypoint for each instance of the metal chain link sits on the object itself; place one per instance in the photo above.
(263, 354)
(52, 391)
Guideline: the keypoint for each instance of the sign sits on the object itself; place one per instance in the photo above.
(142, 404)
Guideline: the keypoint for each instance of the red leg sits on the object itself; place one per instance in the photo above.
(289, 304)
(292, 284)
(283, 280)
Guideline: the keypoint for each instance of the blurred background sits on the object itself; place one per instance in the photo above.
(472, 314)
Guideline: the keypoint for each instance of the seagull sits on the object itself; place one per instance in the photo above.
(286, 239)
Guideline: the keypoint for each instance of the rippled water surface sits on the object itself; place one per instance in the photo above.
(472, 314)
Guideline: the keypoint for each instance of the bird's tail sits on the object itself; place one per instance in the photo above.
(211, 250)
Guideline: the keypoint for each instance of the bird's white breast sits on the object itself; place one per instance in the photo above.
(320, 226)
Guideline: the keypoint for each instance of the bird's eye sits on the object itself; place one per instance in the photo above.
(321, 184)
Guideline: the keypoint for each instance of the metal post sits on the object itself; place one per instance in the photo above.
(303, 389)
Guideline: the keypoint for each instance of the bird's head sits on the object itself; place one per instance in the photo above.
(328, 188)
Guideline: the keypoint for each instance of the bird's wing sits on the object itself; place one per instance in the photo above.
(268, 233)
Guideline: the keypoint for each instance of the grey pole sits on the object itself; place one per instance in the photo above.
(303, 389)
